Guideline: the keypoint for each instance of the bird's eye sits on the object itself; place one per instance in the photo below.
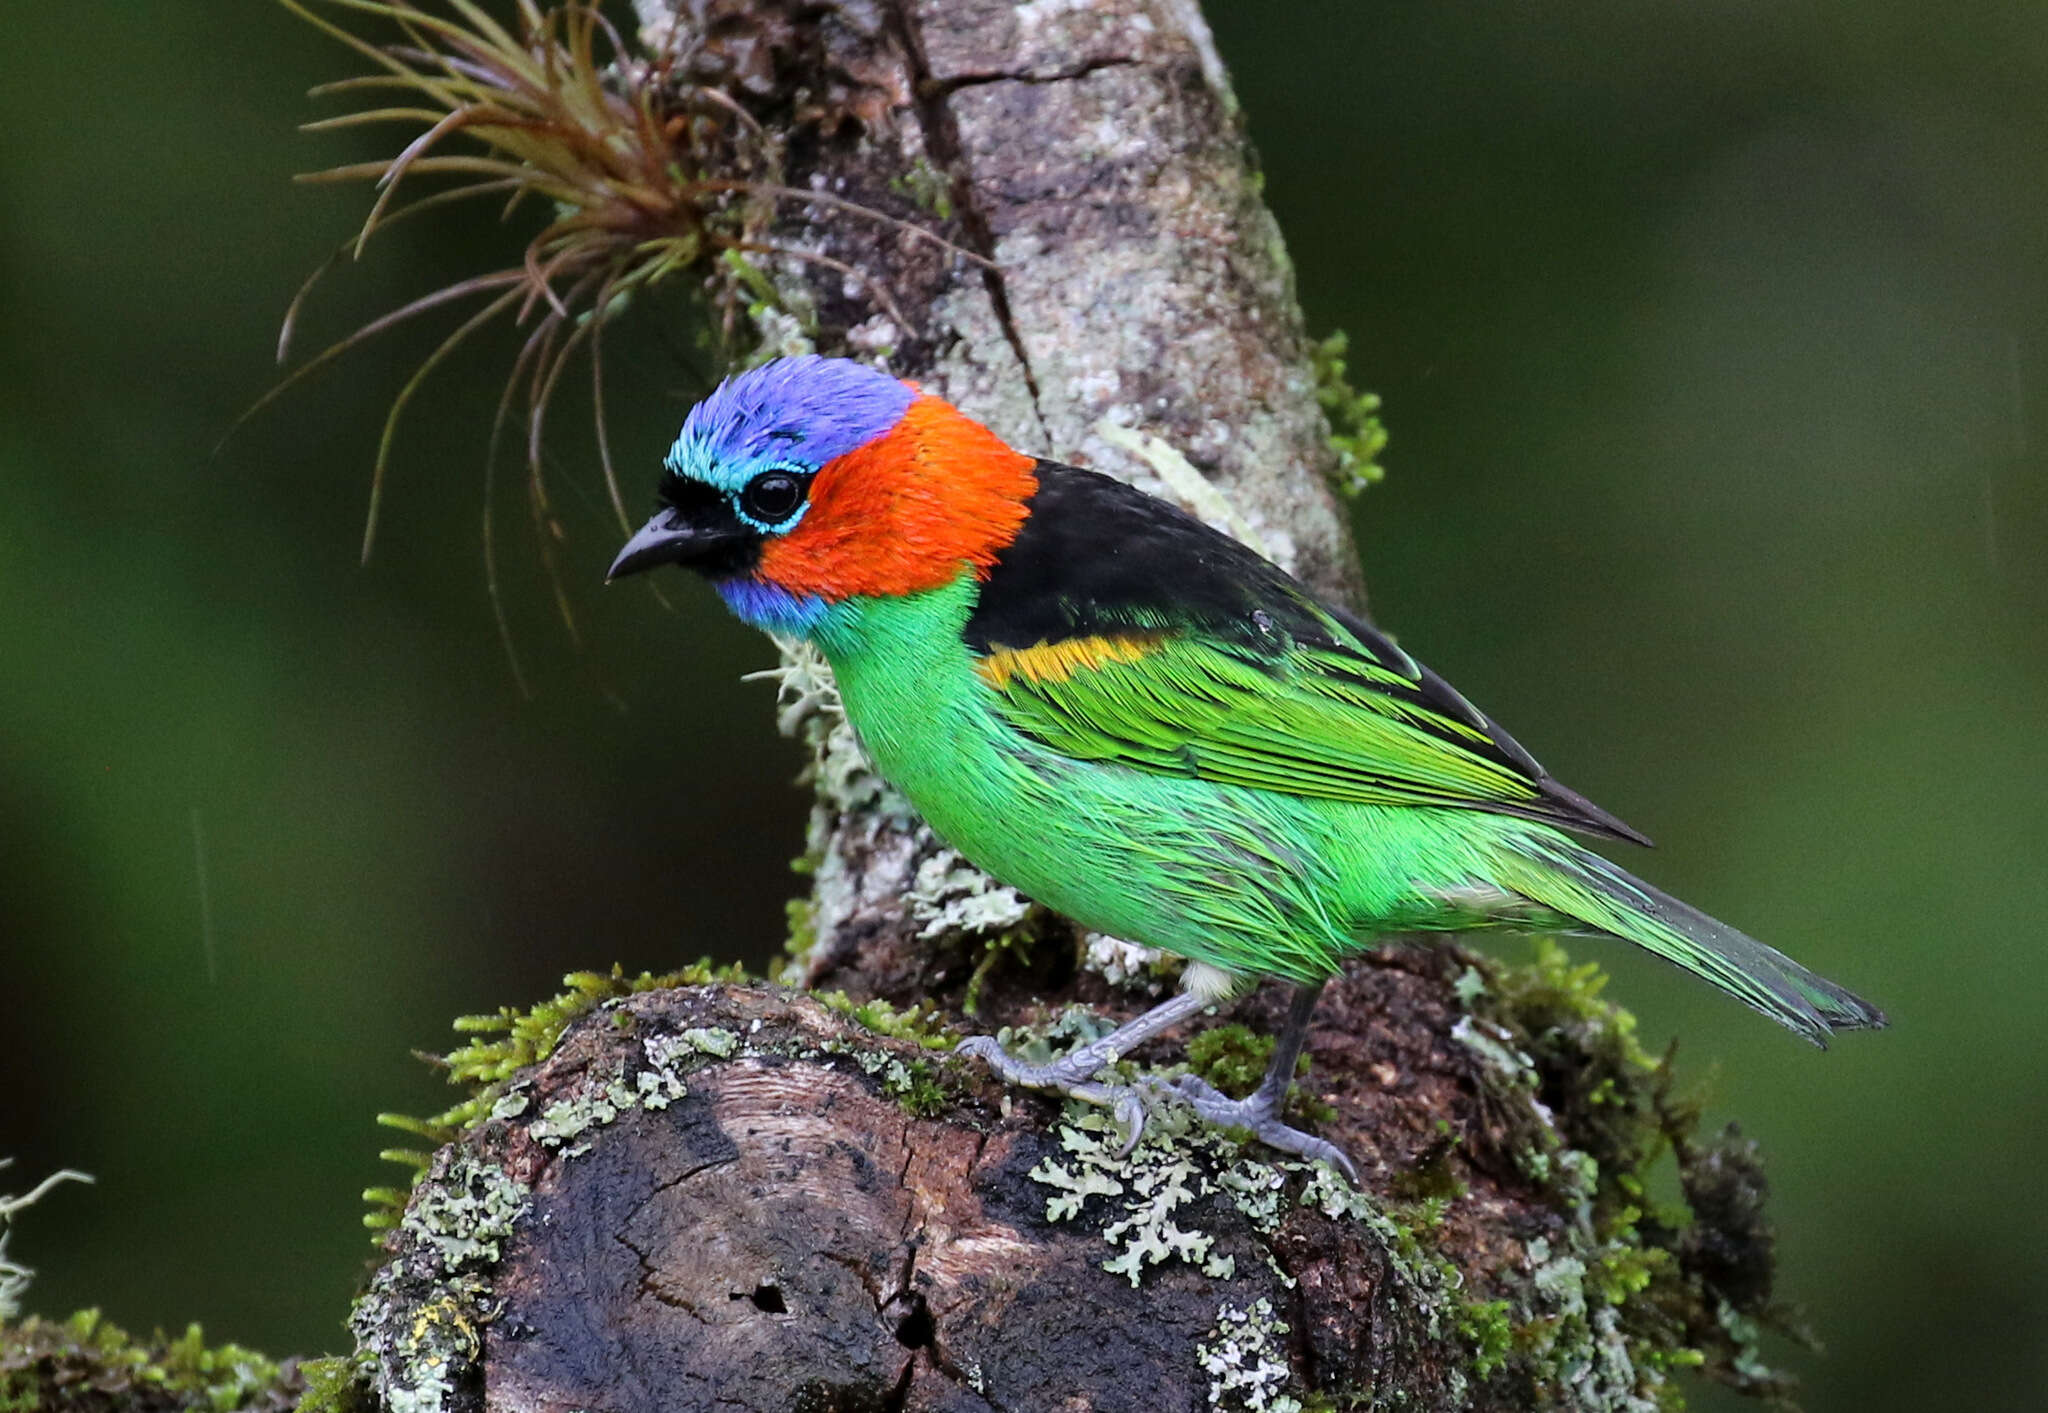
(772, 497)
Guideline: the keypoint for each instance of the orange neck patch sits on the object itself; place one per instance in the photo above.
(904, 512)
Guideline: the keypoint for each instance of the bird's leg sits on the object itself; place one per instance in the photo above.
(1073, 1074)
(1078, 1067)
(1260, 1113)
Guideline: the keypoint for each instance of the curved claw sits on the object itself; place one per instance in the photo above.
(1131, 1111)
(1316, 1150)
(1072, 1079)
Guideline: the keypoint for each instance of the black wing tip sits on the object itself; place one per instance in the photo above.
(1855, 1013)
(1818, 1020)
(1579, 813)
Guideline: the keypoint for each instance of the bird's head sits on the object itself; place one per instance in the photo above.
(809, 481)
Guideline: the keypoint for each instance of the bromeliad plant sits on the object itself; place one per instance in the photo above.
(643, 175)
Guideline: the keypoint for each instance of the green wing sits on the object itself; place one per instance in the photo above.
(1118, 628)
(1331, 710)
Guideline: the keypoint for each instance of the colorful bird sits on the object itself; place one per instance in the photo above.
(1144, 725)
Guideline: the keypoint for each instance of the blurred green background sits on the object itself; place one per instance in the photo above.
(1713, 346)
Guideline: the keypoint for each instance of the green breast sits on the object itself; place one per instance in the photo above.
(928, 723)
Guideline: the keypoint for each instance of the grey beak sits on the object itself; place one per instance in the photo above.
(666, 539)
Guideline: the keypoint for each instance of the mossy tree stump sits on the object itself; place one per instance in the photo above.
(738, 1197)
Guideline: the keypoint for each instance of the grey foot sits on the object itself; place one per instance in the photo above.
(1064, 1075)
(1072, 1075)
(1260, 1115)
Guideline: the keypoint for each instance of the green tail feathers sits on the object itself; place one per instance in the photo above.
(1561, 876)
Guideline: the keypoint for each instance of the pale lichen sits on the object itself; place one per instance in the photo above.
(952, 898)
(1072, 1025)
(874, 340)
(1497, 1049)
(592, 1106)
(421, 1319)
(1581, 1339)
(424, 1310)
(715, 1041)
(1245, 1357)
(1469, 987)
(653, 1081)
(913, 1084)
(1150, 1186)
(1127, 965)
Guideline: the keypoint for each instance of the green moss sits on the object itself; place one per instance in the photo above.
(802, 914)
(1544, 1029)
(336, 1384)
(919, 1023)
(1356, 433)
(1624, 1268)
(1429, 1275)
(916, 1086)
(1626, 1293)
(923, 1096)
(1551, 993)
(1232, 1057)
(507, 1042)
(87, 1362)
(526, 1036)
(926, 187)
(1489, 1332)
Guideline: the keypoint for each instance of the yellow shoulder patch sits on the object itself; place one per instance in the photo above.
(1056, 662)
